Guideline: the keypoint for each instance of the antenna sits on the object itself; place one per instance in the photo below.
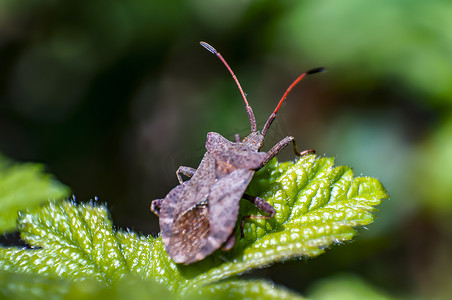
(248, 107)
(273, 115)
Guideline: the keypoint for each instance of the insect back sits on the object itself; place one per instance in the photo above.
(199, 215)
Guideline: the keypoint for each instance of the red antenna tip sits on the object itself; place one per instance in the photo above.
(312, 71)
(273, 115)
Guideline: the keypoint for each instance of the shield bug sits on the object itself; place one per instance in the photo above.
(199, 215)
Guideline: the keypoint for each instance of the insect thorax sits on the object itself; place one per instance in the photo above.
(254, 140)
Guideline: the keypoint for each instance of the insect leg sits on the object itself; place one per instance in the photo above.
(187, 171)
(281, 145)
(262, 205)
(229, 242)
(155, 206)
(237, 138)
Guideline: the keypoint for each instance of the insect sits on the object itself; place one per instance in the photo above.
(199, 215)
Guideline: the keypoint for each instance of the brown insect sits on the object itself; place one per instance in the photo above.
(198, 216)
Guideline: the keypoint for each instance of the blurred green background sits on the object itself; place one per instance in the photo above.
(112, 96)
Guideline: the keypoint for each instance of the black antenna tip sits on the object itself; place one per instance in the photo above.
(316, 70)
(208, 47)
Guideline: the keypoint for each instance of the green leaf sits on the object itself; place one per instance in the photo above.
(25, 286)
(16, 286)
(317, 205)
(78, 242)
(24, 186)
(435, 183)
(146, 257)
(346, 287)
(74, 242)
(240, 289)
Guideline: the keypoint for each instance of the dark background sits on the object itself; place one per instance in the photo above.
(112, 96)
